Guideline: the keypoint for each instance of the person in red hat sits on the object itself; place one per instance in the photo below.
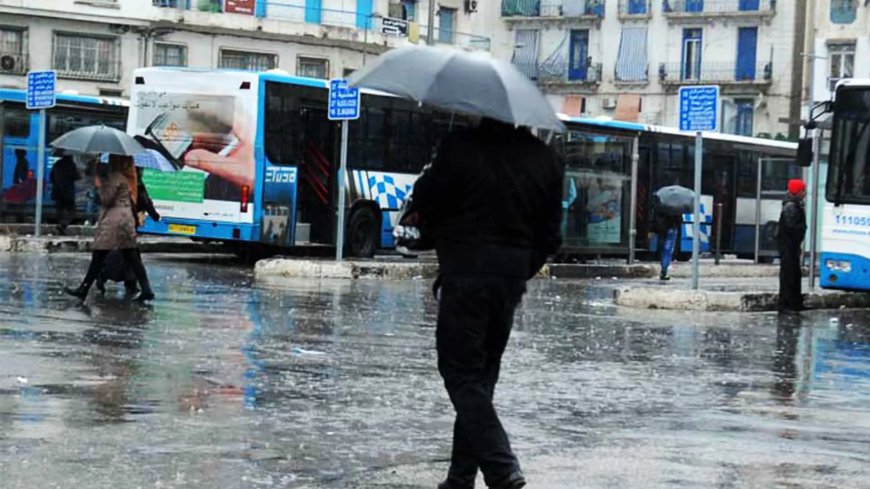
(789, 238)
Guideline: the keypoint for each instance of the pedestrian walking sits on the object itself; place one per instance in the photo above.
(492, 199)
(64, 175)
(789, 238)
(22, 167)
(116, 228)
(667, 228)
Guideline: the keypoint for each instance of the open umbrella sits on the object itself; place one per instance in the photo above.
(473, 83)
(676, 200)
(98, 139)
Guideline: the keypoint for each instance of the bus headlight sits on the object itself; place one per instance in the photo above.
(839, 266)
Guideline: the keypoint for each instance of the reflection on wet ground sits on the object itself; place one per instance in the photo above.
(231, 384)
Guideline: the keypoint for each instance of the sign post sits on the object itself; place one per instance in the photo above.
(699, 111)
(344, 106)
(41, 96)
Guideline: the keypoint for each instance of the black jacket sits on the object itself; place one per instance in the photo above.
(492, 199)
(792, 224)
(64, 175)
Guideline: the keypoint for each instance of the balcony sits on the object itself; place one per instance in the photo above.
(727, 75)
(692, 10)
(559, 13)
(635, 9)
(560, 78)
(456, 38)
(13, 63)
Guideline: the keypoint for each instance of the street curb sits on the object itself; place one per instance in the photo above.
(650, 270)
(30, 244)
(348, 270)
(717, 301)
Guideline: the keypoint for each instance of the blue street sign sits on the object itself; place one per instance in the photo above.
(699, 108)
(40, 89)
(344, 101)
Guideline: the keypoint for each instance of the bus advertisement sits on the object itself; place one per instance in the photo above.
(845, 247)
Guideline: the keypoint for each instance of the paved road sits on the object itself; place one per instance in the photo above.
(225, 383)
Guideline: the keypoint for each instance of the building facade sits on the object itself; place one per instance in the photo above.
(96, 44)
(839, 45)
(626, 59)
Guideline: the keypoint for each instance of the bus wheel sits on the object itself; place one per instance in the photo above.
(362, 233)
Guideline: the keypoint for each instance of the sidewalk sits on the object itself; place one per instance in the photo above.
(727, 294)
(82, 244)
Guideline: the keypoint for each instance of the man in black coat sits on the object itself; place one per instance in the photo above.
(492, 200)
(64, 175)
(789, 237)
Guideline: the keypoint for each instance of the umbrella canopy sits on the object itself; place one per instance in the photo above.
(676, 200)
(150, 159)
(473, 83)
(98, 139)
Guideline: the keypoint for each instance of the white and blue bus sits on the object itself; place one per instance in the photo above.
(19, 144)
(845, 244)
(255, 158)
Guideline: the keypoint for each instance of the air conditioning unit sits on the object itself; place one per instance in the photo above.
(471, 6)
(11, 63)
(608, 103)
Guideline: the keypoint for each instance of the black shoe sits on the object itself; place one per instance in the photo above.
(130, 293)
(81, 292)
(144, 296)
(513, 481)
(451, 484)
(664, 278)
(101, 286)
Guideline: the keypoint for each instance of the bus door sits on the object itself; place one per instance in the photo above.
(317, 170)
(724, 193)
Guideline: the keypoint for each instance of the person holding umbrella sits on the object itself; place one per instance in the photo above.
(492, 201)
(670, 205)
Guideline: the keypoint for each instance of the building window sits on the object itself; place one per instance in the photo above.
(692, 39)
(842, 58)
(745, 109)
(245, 60)
(13, 59)
(409, 10)
(844, 11)
(312, 67)
(525, 56)
(578, 59)
(170, 54)
(215, 6)
(446, 23)
(88, 57)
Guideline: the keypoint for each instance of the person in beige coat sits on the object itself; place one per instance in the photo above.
(116, 229)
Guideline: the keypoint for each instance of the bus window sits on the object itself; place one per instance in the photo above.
(16, 123)
(63, 120)
(282, 124)
(374, 145)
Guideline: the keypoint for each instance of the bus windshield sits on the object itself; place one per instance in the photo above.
(849, 169)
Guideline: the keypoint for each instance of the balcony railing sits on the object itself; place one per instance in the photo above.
(552, 8)
(549, 75)
(13, 63)
(635, 8)
(679, 74)
(455, 38)
(706, 7)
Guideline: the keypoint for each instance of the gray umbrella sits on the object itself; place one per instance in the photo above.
(473, 83)
(676, 200)
(98, 139)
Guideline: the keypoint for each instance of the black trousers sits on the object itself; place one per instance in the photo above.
(131, 257)
(790, 295)
(66, 211)
(475, 318)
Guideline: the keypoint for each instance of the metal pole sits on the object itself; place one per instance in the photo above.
(696, 221)
(758, 212)
(339, 242)
(40, 171)
(632, 238)
(430, 29)
(365, 44)
(720, 209)
(814, 220)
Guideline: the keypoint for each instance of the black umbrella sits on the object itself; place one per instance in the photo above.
(98, 139)
(676, 200)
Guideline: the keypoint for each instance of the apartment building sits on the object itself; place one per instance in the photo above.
(96, 44)
(626, 59)
(839, 46)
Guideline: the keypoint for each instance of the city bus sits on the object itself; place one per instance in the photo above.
(255, 158)
(19, 143)
(598, 156)
(845, 241)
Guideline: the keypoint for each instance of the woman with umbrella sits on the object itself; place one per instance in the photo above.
(117, 185)
(670, 205)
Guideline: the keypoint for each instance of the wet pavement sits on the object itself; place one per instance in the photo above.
(225, 382)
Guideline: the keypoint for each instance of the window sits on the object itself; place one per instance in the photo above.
(11, 41)
(692, 39)
(849, 162)
(16, 122)
(578, 62)
(743, 119)
(245, 60)
(62, 121)
(409, 10)
(842, 58)
(844, 11)
(207, 5)
(525, 56)
(88, 57)
(637, 7)
(170, 54)
(446, 21)
(631, 64)
(312, 67)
